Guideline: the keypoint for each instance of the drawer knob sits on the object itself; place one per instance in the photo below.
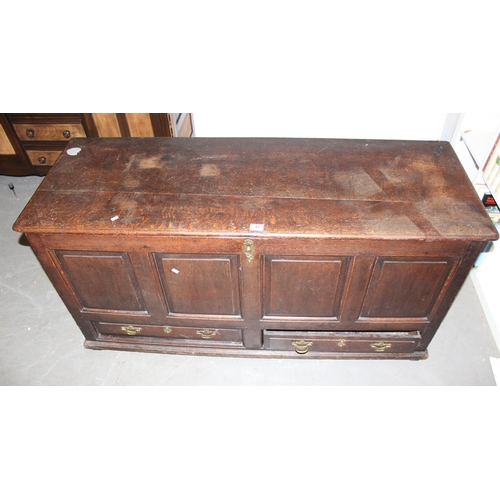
(380, 346)
(30, 133)
(167, 329)
(207, 334)
(131, 330)
(67, 134)
(42, 160)
(301, 346)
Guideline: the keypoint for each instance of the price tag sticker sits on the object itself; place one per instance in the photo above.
(256, 227)
(73, 151)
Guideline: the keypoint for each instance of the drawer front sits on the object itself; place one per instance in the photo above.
(373, 342)
(48, 131)
(214, 335)
(45, 158)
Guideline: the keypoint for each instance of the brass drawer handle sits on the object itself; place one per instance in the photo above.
(341, 343)
(167, 329)
(207, 334)
(301, 346)
(248, 250)
(380, 346)
(131, 330)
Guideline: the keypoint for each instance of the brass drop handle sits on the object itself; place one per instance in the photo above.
(131, 330)
(301, 346)
(380, 346)
(30, 133)
(42, 160)
(67, 134)
(207, 334)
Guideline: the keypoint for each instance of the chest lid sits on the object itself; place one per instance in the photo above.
(239, 186)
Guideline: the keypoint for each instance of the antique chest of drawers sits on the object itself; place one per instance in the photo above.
(258, 247)
(30, 143)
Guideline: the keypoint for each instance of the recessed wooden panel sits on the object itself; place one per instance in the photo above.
(404, 288)
(200, 284)
(308, 288)
(140, 125)
(103, 281)
(107, 124)
(5, 145)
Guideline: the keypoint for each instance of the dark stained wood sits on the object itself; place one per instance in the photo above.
(17, 164)
(179, 335)
(402, 287)
(160, 122)
(123, 124)
(90, 125)
(341, 342)
(197, 284)
(363, 248)
(102, 281)
(309, 186)
(304, 287)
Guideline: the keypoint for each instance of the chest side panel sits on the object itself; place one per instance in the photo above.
(405, 287)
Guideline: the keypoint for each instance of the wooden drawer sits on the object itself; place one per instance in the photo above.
(214, 335)
(303, 342)
(48, 131)
(43, 158)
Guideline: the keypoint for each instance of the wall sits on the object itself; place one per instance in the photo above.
(341, 124)
(486, 276)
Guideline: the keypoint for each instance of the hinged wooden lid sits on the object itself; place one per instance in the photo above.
(310, 187)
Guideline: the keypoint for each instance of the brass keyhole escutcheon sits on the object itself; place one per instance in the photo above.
(301, 346)
(131, 330)
(380, 346)
(207, 334)
(248, 250)
(167, 329)
(341, 343)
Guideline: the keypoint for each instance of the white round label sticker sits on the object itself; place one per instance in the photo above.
(73, 151)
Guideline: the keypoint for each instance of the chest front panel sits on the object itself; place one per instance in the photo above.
(171, 292)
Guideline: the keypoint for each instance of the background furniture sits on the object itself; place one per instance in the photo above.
(31, 143)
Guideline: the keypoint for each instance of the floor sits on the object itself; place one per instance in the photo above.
(40, 345)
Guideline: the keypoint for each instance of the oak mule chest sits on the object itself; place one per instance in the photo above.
(257, 247)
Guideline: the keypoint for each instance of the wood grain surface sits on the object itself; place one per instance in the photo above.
(335, 188)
